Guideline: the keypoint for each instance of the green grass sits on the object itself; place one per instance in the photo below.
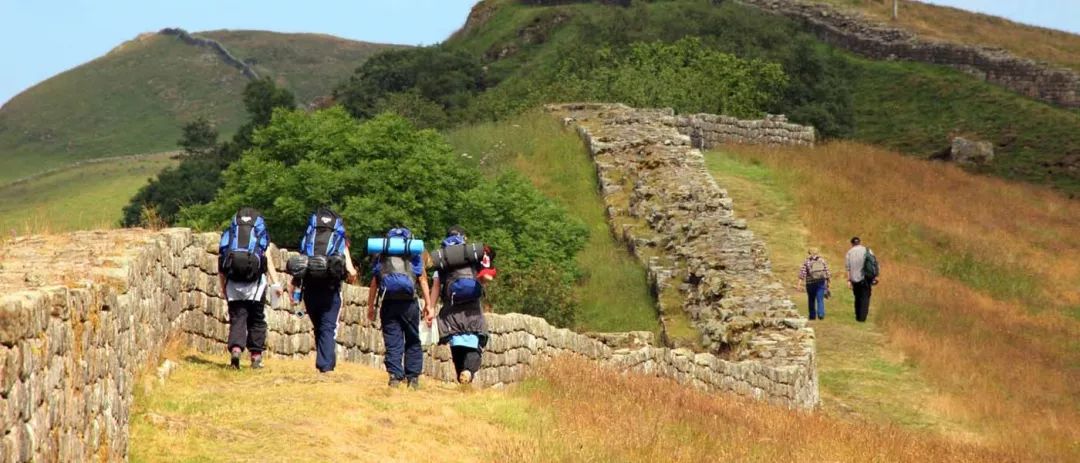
(82, 197)
(134, 99)
(613, 292)
(860, 374)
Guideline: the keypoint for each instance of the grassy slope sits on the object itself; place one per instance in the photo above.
(961, 26)
(907, 106)
(136, 98)
(309, 65)
(126, 102)
(613, 292)
(83, 197)
(979, 288)
(570, 412)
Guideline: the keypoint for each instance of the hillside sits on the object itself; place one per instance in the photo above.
(961, 26)
(912, 107)
(135, 98)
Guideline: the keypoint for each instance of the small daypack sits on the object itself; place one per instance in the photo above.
(817, 271)
(243, 246)
(324, 246)
(397, 277)
(870, 268)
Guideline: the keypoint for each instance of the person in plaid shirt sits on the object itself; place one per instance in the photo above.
(814, 274)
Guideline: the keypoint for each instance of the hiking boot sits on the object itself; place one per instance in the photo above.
(465, 377)
(234, 362)
(394, 383)
(414, 383)
(256, 362)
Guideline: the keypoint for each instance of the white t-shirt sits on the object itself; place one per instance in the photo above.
(856, 257)
(246, 290)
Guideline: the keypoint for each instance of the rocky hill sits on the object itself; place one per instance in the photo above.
(135, 98)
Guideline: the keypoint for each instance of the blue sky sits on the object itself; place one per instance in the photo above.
(44, 37)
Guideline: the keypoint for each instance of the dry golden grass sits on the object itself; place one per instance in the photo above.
(980, 285)
(594, 414)
(961, 26)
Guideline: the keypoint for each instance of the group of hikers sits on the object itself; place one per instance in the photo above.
(451, 306)
(862, 270)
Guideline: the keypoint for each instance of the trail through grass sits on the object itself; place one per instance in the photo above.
(859, 374)
(570, 411)
(979, 283)
(79, 198)
(613, 291)
(289, 412)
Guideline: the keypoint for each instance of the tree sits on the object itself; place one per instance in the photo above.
(383, 173)
(199, 138)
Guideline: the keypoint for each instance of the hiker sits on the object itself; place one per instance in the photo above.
(814, 276)
(327, 262)
(458, 283)
(243, 268)
(393, 290)
(862, 274)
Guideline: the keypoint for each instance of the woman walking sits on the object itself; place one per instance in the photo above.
(814, 275)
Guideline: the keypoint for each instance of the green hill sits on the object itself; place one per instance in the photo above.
(530, 48)
(134, 99)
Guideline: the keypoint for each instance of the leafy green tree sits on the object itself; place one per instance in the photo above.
(199, 138)
(383, 173)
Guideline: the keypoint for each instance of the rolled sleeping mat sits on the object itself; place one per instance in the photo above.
(395, 246)
(457, 256)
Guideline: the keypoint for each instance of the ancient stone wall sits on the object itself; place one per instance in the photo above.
(709, 130)
(701, 260)
(214, 45)
(1054, 85)
(83, 314)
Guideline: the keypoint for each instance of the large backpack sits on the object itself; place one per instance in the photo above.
(324, 245)
(243, 246)
(817, 271)
(459, 262)
(397, 276)
(870, 267)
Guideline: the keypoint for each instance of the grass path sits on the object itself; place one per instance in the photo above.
(288, 412)
(860, 375)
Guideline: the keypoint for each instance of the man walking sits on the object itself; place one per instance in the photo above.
(243, 268)
(859, 281)
(328, 263)
(393, 289)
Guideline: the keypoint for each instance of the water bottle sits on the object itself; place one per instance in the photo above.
(296, 300)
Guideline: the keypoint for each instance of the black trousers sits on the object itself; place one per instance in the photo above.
(247, 325)
(465, 358)
(861, 290)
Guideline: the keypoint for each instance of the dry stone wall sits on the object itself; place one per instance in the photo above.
(701, 260)
(1054, 85)
(214, 45)
(709, 130)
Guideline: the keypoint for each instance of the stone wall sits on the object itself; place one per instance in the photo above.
(709, 130)
(1054, 85)
(701, 260)
(214, 45)
(83, 314)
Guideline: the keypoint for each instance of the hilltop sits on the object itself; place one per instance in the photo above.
(134, 99)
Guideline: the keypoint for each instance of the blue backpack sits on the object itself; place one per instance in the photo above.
(243, 246)
(324, 244)
(461, 285)
(397, 277)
